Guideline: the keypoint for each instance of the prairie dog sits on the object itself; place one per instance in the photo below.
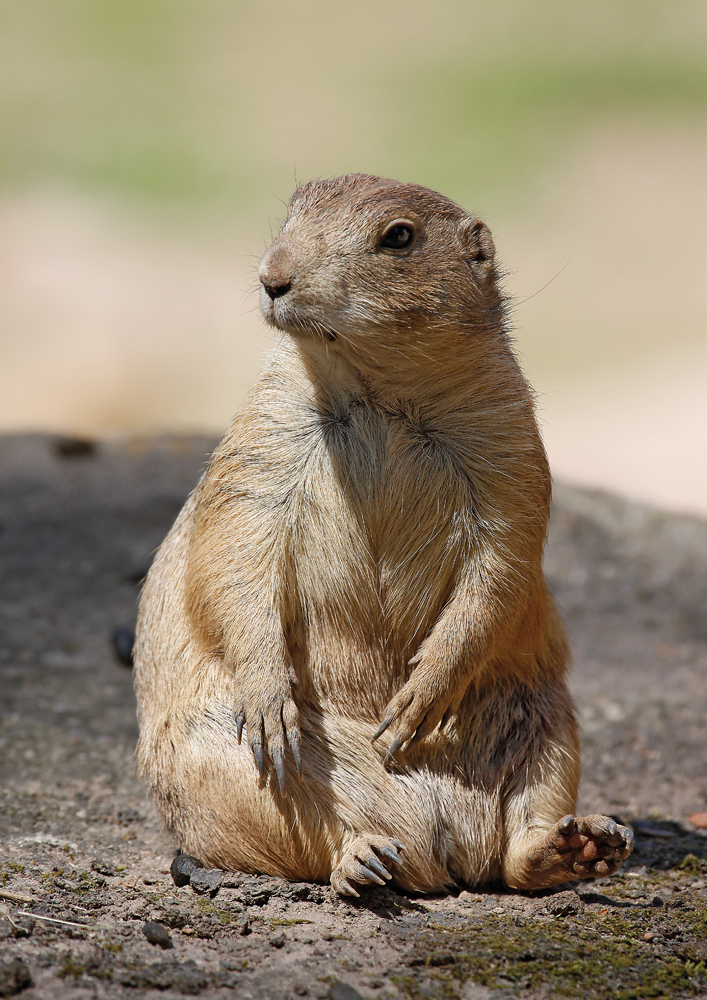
(348, 663)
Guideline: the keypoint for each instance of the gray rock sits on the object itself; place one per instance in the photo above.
(157, 934)
(206, 880)
(182, 868)
(564, 904)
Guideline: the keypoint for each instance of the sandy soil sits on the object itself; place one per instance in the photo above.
(81, 844)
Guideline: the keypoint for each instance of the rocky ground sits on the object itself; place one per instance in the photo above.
(85, 865)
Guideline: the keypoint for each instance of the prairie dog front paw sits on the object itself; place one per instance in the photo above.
(271, 719)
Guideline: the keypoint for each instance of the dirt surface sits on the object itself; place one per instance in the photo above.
(84, 862)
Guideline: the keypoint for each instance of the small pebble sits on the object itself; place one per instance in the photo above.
(342, 991)
(182, 867)
(74, 447)
(246, 929)
(123, 641)
(657, 901)
(650, 936)
(279, 941)
(564, 904)
(205, 880)
(699, 820)
(157, 934)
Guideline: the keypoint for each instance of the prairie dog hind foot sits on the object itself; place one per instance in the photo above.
(366, 860)
(575, 847)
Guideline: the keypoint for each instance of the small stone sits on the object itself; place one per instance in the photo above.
(206, 880)
(564, 904)
(699, 820)
(246, 929)
(342, 991)
(182, 867)
(657, 901)
(157, 934)
(279, 941)
(650, 936)
(74, 447)
(14, 977)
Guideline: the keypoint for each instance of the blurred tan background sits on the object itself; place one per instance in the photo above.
(147, 147)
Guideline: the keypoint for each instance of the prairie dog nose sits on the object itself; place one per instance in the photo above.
(277, 271)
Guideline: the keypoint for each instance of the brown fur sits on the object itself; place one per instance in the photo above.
(364, 552)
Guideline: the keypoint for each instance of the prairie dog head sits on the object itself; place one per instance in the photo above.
(362, 263)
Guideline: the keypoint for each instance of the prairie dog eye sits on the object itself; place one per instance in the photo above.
(399, 236)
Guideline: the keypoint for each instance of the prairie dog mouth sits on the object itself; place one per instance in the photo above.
(290, 321)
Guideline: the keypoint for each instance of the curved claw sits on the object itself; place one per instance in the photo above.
(344, 887)
(382, 728)
(240, 719)
(366, 873)
(374, 864)
(567, 823)
(390, 852)
(278, 759)
(394, 747)
(259, 758)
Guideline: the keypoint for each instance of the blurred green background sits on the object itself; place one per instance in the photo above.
(147, 146)
(216, 105)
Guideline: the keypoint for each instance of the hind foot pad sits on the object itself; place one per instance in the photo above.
(367, 860)
(584, 847)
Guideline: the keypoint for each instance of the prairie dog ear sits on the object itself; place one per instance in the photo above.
(478, 245)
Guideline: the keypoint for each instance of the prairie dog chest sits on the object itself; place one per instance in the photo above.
(377, 515)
